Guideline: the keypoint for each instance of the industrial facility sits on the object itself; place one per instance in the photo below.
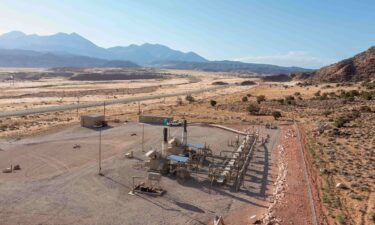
(177, 157)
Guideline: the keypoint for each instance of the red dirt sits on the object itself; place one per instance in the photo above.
(315, 182)
(294, 207)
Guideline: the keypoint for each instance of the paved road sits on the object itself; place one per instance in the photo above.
(100, 103)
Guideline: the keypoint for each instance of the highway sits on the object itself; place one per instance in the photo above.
(101, 103)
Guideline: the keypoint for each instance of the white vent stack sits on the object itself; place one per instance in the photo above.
(184, 134)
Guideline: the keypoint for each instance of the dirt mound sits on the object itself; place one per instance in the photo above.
(360, 67)
(219, 83)
(248, 83)
(277, 78)
(300, 76)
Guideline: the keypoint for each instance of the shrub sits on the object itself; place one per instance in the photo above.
(317, 94)
(179, 101)
(289, 98)
(341, 121)
(341, 219)
(351, 99)
(276, 114)
(332, 94)
(213, 103)
(253, 109)
(261, 98)
(365, 108)
(297, 93)
(368, 84)
(244, 99)
(189, 98)
(371, 216)
(327, 113)
(366, 95)
(324, 96)
(281, 101)
(355, 114)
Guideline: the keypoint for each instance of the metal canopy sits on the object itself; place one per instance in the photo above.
(178, 158)
(195, 145)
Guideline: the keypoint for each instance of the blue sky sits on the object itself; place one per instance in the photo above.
(282, 32)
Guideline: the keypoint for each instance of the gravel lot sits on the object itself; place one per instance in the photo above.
(58, 184)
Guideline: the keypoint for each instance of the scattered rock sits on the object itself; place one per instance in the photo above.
(341, 186)
(8, 170)
(17, 167)
(129, 155)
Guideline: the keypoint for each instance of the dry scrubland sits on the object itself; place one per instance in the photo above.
(28, 94)
(336, 125)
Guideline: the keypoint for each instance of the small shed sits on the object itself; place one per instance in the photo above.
(162, 120)
(92, 120)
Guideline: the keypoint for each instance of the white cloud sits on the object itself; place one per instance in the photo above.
(292, 58)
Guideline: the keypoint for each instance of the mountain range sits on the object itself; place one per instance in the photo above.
(27, 58)
(18, 49)
(75, 44)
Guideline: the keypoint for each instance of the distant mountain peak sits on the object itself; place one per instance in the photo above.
(13, 34)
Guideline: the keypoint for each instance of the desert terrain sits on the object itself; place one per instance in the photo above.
(312, 164)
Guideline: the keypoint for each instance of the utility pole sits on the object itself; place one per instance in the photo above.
(143, 137)
(77, 104)
(104, 108)
(100, 152)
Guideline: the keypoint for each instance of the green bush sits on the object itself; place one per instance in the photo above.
(341, 121)
(355, 114)
(365, 108)
(213, 103)
(371, 216)
(289, 98)
(327, 113)
(341, 219)
(261, 98)
(276, 114)
(281, 101)
(253, 109)
(317, 94)
(367, 95)
(324, 96)
(189, 98)
(244, 99)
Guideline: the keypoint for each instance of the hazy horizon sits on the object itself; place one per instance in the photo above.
(288, 33)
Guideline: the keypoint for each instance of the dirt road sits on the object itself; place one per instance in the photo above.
(108, 102)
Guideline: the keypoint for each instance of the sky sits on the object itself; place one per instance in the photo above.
(302, 33)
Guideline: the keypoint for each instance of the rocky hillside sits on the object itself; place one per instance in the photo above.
(360, 67)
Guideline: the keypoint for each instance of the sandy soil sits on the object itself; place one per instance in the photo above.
(58, 91)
